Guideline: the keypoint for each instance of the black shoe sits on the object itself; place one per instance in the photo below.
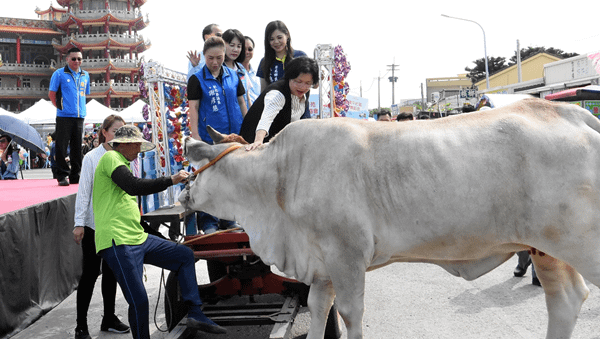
(82, 333)
(113, 325)
(519, 271)
(63, 182)
(209, 326)
(535, 281)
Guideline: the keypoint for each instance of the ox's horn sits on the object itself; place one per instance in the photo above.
(214, 135)
(219, 138)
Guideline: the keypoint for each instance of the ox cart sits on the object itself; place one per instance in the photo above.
(234, 272)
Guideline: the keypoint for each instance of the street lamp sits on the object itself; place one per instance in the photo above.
(487, 72)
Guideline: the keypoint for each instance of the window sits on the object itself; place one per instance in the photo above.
(26, 82)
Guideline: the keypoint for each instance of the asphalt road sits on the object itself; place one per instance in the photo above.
(402, 301)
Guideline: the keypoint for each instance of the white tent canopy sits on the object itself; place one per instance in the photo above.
(133, 113)
(42, 112)
(5, 112)
(96, 112)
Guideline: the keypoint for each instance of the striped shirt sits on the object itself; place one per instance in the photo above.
(274, 102)
(84, 213)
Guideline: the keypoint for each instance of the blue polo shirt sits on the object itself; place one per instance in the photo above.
(71, 88)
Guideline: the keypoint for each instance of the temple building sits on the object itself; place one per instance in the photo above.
(106, 31)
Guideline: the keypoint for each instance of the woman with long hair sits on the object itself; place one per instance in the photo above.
(235, 54)
(84, 234)
(282, 103)
(216, 99)
(278, 53)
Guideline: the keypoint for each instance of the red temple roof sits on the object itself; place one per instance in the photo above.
(30, 30)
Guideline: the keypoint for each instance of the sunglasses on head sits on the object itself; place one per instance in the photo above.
(75, 59)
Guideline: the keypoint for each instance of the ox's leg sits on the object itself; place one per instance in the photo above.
(320, 299)
(348, 278)
(565, 292)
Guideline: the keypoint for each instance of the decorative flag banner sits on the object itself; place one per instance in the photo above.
(595, 57)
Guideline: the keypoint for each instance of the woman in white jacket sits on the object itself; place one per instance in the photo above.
(84, 232)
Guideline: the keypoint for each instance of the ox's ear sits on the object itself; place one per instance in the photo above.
(215, 135)
(196, 151)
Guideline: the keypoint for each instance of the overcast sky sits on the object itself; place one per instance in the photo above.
(374, 33)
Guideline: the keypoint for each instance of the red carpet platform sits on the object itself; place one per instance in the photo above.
(18, 194)
(39, 262)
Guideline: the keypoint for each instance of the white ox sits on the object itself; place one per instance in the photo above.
(328, 200)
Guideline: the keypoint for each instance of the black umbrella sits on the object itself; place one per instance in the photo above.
(21, 133)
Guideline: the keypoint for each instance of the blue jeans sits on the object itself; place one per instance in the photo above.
(127, 263)
(206, 222)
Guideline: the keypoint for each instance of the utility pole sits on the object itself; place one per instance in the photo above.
(393, 78)
(379, 91)
(361, 88)
(519, 61)
(423, 106)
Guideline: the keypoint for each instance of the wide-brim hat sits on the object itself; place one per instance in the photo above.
(129, 134)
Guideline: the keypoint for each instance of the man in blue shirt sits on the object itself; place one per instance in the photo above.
(197, 61)
(68, 88)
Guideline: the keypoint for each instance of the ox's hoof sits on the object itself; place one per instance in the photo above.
(535, 281)
(520, 271)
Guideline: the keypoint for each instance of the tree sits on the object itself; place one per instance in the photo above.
(531, 51)
(477, 73)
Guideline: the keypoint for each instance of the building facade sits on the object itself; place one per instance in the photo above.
(532, 73)
(26, 54)
(107, 32)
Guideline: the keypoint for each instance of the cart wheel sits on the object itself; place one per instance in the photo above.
(332, 328)
(175, 307)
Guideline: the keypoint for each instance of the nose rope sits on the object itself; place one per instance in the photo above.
(214, 161)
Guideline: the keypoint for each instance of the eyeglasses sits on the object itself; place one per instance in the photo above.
(301, 84)
(75, 59)
(3, 141)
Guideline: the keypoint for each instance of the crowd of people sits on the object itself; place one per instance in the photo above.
(225, 92)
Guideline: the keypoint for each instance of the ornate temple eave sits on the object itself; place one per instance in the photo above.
(65, 3)
(73, 21)
(49, 10)
(139, 46)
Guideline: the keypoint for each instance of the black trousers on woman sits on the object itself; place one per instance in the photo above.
(91, 271)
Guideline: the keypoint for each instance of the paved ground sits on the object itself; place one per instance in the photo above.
(402, 301)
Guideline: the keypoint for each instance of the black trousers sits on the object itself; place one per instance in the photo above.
(69, 133)
(91, 271)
